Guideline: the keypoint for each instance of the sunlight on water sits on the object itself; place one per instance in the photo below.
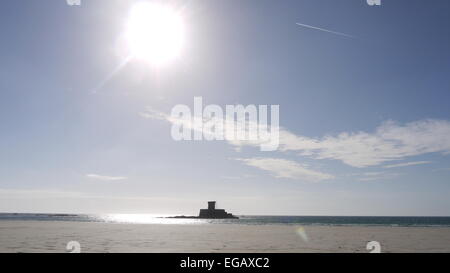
(148, 219)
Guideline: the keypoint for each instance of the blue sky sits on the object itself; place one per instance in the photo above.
(369, 112)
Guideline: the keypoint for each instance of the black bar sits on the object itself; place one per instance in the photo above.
(223, 262)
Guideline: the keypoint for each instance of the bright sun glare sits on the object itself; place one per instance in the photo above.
(154, 33)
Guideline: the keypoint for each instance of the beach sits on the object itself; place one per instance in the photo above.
(53, 236)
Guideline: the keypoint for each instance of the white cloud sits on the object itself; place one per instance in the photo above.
(38, 193)
(283, 168)
(407, 164)
(389, 142)
(378, 176)
(105, 177)
(151, 113)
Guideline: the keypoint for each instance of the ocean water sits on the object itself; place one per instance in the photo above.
(243, 219)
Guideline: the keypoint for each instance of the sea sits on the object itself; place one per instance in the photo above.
(404, 221)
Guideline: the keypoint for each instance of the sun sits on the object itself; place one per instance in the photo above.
(154, 33)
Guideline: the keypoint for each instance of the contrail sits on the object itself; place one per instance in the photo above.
(326, 30)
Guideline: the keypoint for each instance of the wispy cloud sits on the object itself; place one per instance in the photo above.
(38, 193)
(151, 113)
(376, 176)
(325, 30)
(197, 124)
(283, 168)
(407, 164)
(389, 142)
(105, 177)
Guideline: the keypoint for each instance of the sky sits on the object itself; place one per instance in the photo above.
(363, 93)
